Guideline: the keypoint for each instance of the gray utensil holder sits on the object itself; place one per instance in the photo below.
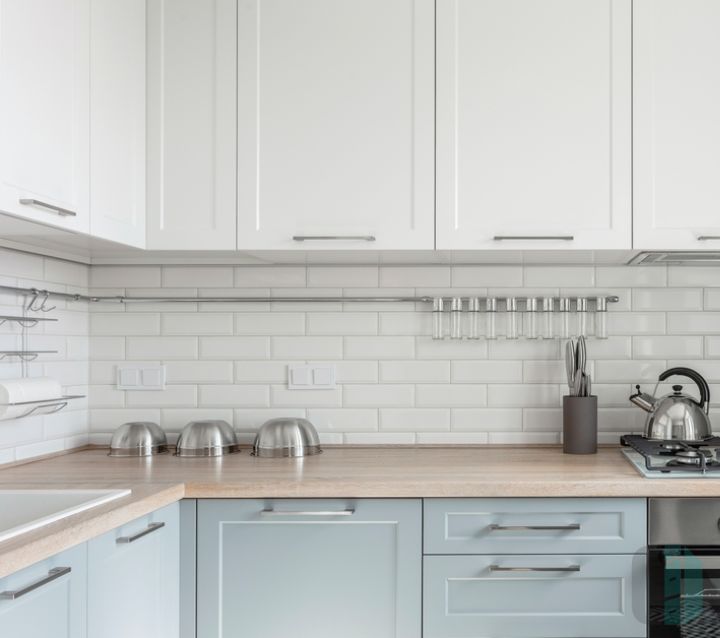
(580, 425)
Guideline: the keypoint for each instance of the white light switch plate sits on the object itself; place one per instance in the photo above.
(146, 377)
(314, 376)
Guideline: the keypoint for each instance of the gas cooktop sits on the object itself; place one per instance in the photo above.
(673, 459)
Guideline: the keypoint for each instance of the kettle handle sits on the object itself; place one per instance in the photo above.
(697, 378)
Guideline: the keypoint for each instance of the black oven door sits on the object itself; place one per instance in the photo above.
(684, 592)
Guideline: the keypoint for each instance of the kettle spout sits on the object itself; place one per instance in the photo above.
(643, 400)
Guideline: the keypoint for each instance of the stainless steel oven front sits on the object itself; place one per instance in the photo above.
(684, 568)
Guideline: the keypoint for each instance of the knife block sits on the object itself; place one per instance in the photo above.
(580, 425)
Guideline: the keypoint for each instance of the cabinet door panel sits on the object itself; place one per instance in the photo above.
(676, 125)
(191, 124)
(533, 112)
(469, 596)
(56, 609)
(335, 124)
(264, 576)
(44, 110)
(117, 121)
(133, 587)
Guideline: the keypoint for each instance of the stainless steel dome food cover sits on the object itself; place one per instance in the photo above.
(207, 438)
(287, 437)
(138, 438)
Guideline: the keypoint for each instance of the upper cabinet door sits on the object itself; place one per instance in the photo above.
(335, 124)
(676, 124)
(117, 121)
(44, 118)
(533, 118)
(191, 201)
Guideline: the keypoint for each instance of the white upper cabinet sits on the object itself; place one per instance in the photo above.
(534, 124)
(44, 111)
(192, 88)
(117, 121)
(335, 124)
(676, 124)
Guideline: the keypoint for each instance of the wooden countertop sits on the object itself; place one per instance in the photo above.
(347, 472)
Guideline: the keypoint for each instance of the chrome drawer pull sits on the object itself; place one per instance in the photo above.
(569, 568)
(534, 528)
(348, 512)
(334, 238)
(533, 238)
(708, 237)
(63, 212)
(124, 540)
(53, 574)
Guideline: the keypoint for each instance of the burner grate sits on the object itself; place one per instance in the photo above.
(675, 456)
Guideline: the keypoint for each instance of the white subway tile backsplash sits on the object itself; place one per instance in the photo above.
(636, 323)
(174, 420)
(342, 323)
(270, 276)
(271, 323)
(628, 371)
(344, 420)
(197, 276)
(693, 323)
(487, 419)
(414, 276)
(342, 276)
(379, 438)
(524, 438)
(234, 396)
(451, 438)
(124, 324)
(285, 398)
(502, 395)
(415, 420)
(125, 276)
(427, 348)
(199, 372)
(687, 299)
(261, 371)
(172, 396)
(406, 323)
(552, 276)
(198, 323)
(624, 276)
(668, 347)
(379, 347)
(307, 347)
(234, 347)
(487, 276)
(685, 276)
(250, 419)
(142, 348)
(487, 371)
(414, 371)
(378, 395)
(434, 395)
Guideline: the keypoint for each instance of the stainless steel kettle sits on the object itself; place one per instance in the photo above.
(676, 416)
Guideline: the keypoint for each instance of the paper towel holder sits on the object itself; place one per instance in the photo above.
(44, 406)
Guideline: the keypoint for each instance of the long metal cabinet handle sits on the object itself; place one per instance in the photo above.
(334, 238)
(63, 212)
(348, 512)
(533, 238)
(124, 540)
(53, 574)
(534, 528)
(707, 237)
(569, 568)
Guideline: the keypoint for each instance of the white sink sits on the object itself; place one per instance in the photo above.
(25, 510)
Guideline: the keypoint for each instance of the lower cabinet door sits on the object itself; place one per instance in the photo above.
(561, 596)
(133, 578)
(46, 600)
(320, 568)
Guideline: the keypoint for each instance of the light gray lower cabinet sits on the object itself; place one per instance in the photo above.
(558, 596)
(320, 568)
(133, 578)
(47, 599)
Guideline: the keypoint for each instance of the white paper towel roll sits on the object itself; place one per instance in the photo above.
(23, 391)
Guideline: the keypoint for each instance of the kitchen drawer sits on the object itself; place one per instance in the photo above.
(535, 526)
(480, 596)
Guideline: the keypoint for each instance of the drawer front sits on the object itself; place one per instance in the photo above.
(489, 597)
(535, 526)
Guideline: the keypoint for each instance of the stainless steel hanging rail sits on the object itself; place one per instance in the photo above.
(123, 299)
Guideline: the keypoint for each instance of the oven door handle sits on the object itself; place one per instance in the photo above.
(675, 563)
